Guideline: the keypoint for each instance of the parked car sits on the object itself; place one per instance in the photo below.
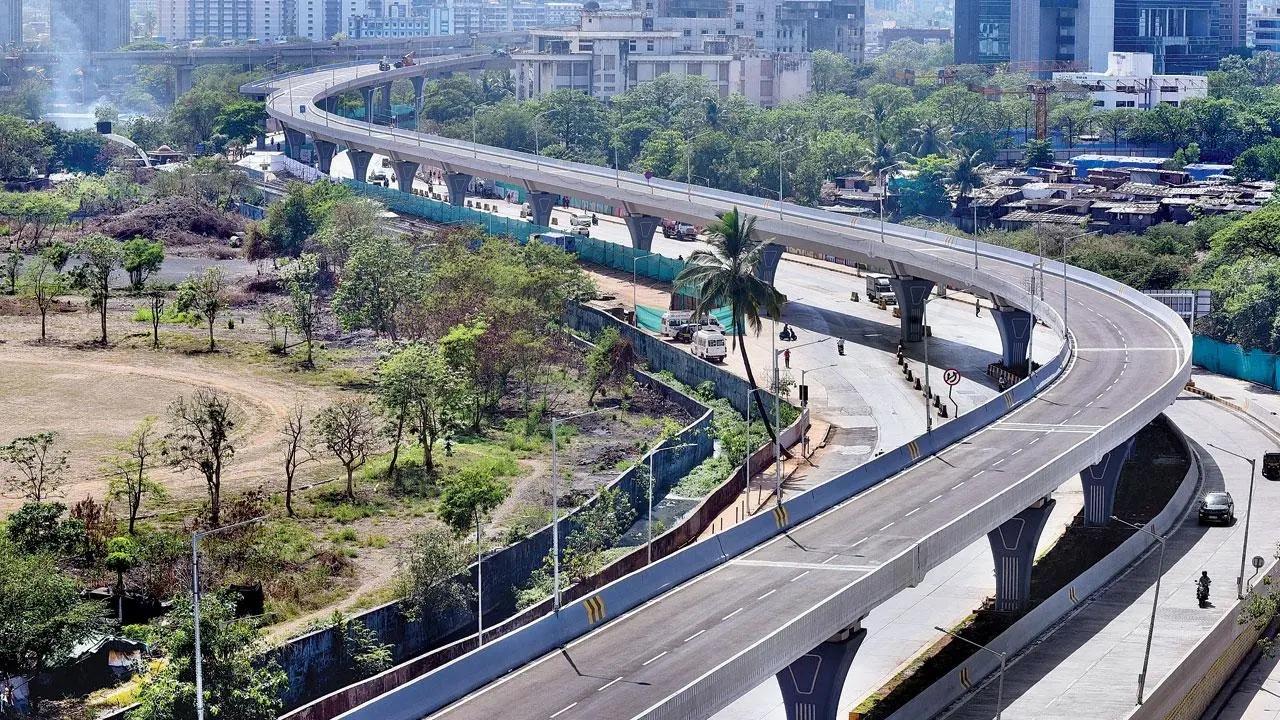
(581, 225)
(526, 210)
(684, 333)
(1217, 507)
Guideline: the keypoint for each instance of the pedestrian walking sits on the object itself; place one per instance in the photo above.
(786, 357)
(840, 346)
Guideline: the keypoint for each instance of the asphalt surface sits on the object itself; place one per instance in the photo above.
(637, 664)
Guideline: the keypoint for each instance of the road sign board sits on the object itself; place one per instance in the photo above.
(951, 376)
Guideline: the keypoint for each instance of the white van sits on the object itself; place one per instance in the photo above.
(709, 344)
(673, 319)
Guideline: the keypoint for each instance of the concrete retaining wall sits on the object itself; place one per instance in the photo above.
(945, 693)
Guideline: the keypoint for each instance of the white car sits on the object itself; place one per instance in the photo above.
(709, 344)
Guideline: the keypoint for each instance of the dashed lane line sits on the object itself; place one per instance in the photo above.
(609, 684)
(566, 709)
(664, 652)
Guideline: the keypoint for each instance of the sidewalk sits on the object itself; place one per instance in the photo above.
(1093, 659)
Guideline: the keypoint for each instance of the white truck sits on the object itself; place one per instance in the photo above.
(709, 344)
(879, 288)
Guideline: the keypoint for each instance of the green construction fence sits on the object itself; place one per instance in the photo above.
(1257, 366)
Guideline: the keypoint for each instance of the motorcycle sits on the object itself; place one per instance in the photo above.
(1202, 594)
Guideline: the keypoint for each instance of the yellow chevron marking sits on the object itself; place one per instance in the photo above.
(1071, 593)
(781, 516)
(595, 609)
(964, 678)
(1008, 400)
(914, 448)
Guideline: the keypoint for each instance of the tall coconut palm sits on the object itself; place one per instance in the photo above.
(932, 137)
(726, 275)
(966, 174)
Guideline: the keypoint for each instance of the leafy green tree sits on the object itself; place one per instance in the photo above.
(610, 361)
(926, 192)
(141, 259)
(726, 275)
(1184, 157)
(57, 253)
(450, 99)
(129, 466)
(1260, 162)
(101, 256)
(22, 148)
(38, 527)
(1037, 153)
(931, 137)
(416, 376)
(430, 574)
(297, 451)
(468, 499)
(357, 652)
(12, 263)
(81, 151)
(347, 429)
(42, 284)
(302, 280)
(203, 438)
(379, 278)
(122, 556)
(832, 72)
(242, 120)
(43, 614)
(1115, 123)
(38, 466)
(195, 114)
(204, 296)
(241, 681)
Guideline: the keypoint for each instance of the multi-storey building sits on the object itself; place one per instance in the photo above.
(802, 25)
(76, 25)
(1039, 34)
(613, 51)
(235, 20)
(1264, 25)
(10, 22)
(1131, 82)
(1183, 36)
(1233, 25)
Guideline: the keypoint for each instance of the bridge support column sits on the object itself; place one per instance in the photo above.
(359, 164)
(183, 79)
(641, 228)
(1015, 336)
(1013, 547)
(384, 97)
(405, 171)
(541, 203)
(325, 149)
(811, 685)
(366, 94)
(1100, 481)
(770, 256)
(912, 293)
(418, 83)
(293, 142)
(457, 183)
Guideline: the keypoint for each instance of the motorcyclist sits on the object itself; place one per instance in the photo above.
(1202, 587)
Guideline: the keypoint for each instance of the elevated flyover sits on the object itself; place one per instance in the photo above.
(783, 594)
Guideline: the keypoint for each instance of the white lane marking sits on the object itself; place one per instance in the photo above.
(913, 512)
(977, 474)
(998, 462)
(1090, 403)
(806, 572)
(859, 542)
(767, 594)
(735, 612)
(957, 485)
(936, 499)
(565, 710)
(608, 684)
(1015, 452)
(833, 557)
(694, 635)
(886, 527)
(1034, 441)
(664, 652)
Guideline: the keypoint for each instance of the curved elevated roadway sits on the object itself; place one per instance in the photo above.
(700, 644)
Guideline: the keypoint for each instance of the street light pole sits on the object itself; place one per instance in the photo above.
(649, 518)
(537, 144)
(1066, 243)
(635, 309)
(781, 152)
(1248, 513)
(882, 179)
(195, 602)
(688, 165)
(555, 502)
(803, 372)
(928, 393)
(1155, 603)
(997, 653)
(475, 148)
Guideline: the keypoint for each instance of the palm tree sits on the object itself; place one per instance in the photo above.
(726, 275)
(881, 157)
(933, 137)
(966, 174)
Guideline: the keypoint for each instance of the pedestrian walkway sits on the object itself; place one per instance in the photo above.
(1092, 660)
(1258, 697)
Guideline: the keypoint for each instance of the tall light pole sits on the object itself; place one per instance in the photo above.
(555, 501)
(537, 144)
(649, 518)
(195, 602)
(883, 180)
(475, 147)
(783, 151)
(688, 164)
(997, 653)
(924, 331)
(635, 309)
(1248, 513)
(804, 372)
(1065, 243)
(1155, 603)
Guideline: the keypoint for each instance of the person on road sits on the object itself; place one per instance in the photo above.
(1202, 588)
(786, 357)
(840, 346)
(977, 307)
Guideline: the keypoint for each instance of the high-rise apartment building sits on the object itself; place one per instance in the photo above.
(1233, 18)
(10, 22)
(88, 25)
(1264, 25)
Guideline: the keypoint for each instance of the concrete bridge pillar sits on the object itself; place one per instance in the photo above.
(405, 171)
(811, 684)
(770, 256)
(1015, 336)
(912, 293)
(457, 183)
(1100, 481)
(183, 79)
(1013, 547)
(541, 203)
(326, 150)
(418, 83)
(359, 163)
(384, 97)
(293, 142)
(366, 94)
(641, 228)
